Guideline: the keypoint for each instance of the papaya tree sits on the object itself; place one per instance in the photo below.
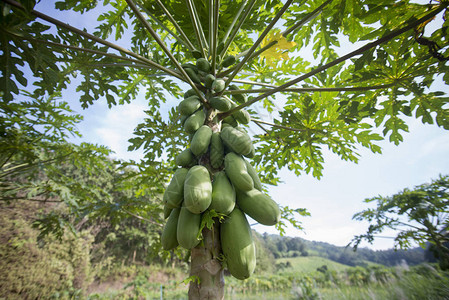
(300, 75)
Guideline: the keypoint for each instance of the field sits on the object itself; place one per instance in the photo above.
(309, 264)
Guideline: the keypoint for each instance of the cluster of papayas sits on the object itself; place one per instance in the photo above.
(226, 183)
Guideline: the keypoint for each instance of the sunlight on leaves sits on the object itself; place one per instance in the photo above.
(279, 50)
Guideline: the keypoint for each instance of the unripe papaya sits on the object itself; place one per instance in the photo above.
(196, 54)
(175, 190)
(216, 151)
(259, 206)
(237, 245)
(167, 210)
(231, 121)
(208, 80)
(220, 103)
(201, 140)
(252, 153)
(220, 47)
(195, 121)
(193, 75)
(223, 194)
(188, 228)
(169, 237)
(228, 61)
(185, 159)
(242, 116)
(189, 93)
(203, 64)
(189, 105)
(218, 85)
(236, 140)
(253, 173)
(239, 98)
(197, 189)
(236, 171)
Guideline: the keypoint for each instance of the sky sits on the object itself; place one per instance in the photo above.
(333, 200)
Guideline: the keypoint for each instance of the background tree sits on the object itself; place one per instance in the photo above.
(341, 101)
(419, 215)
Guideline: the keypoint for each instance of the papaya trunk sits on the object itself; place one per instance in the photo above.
(207, 268)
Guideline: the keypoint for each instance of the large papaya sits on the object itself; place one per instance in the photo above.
(220, 103)
(259, 206)
(201, 140)
(253, 173)
(238, 141)
(188, 228)
(169, 237)
(223, 194)
(185, 158)
(197, 189)
(216, 151)
(237, 245)
(174, 192)
(195, 121)
(189, 105)
(236, 171)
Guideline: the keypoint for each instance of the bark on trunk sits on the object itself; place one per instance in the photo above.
(205, 265)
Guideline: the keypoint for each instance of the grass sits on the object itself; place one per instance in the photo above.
(307, 264)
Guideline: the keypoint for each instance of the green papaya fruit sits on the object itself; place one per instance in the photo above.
(190, 66)
(208, 80)
(220, 47)
(228, 61)
(203, 64)
(188, 228)
(193, 75)
(201, 140)
(196, 54)
(169, 237)
(223, 194)
(189, 93)
(189, 105)
(218, 85)
(197, 189)
(185, 159)
(220, 103)
(236, 140)
(237, 173)
(237, 245)
(259, 206)
(252, 153)
(216, 151)
(231, 121)
(175, 190)
(253, 173)
(167, 210)
(242, 116)
(195, 121)
(239, 98)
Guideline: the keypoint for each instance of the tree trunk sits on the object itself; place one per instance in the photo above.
(207, 268)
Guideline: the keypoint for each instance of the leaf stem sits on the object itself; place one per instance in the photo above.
(358, 51)
(277, 125)
(213, 43)
(258, 41)
(197, 27)
(178, 28)
(314, 89)
(164, 48)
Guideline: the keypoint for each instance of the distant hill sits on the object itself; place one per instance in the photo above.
(283, 247)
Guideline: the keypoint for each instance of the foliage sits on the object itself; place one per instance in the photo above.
(419, 215)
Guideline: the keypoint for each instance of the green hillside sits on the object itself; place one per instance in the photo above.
(308, 264)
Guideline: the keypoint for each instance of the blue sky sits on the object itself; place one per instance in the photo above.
(333, 200)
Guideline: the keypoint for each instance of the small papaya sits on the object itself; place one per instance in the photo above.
(185, 159)
(195, 121)
(169, 239)
(208, 80)
(253, 173)
(216, 151)
(175, 190)
(220, 103)
(259, 206)
(218, 85)
(188, 228)
(197, 189)
(237, 173)
(223, 194)
(238, 245)
(228, 61)
(189, 105)
(193, 75)
(201, 140)
(203, 64)
(238, 141)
